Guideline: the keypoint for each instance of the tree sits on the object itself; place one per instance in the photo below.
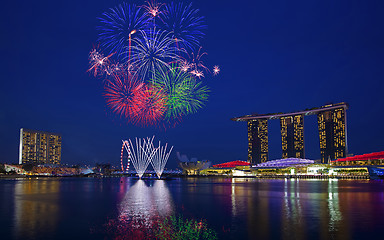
(2, 168)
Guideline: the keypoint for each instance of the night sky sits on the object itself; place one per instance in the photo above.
(275, 56)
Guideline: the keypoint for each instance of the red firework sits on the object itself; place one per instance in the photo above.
(149, 105)
(120, 93)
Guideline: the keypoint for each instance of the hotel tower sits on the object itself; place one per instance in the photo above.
(39, 147)
(332, 126)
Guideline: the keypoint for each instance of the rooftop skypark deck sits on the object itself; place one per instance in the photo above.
(311, 111)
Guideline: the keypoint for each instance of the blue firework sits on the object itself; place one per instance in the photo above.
(184, 23)
(118, 26)
(152, 51)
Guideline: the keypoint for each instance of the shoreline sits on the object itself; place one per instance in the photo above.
(168, 177)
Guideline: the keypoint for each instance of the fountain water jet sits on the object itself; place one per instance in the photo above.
(144, 152)
(160, 158)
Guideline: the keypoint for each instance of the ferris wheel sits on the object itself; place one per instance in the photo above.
(125, 156)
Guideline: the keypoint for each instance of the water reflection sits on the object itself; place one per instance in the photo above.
(140, 210)
(292, 210)
(146, 202)
(333, 205)
(36, 208)
(233, 198)
(236, 208)
(288, 209)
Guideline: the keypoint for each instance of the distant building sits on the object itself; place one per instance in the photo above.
(192, 166)
(13, 168)
(39, 147)
(232, 164)
(332, 124)
(332, 133)
(292, 136)
(257, 140)
(284, 163)
(376, 158)
(236, 168)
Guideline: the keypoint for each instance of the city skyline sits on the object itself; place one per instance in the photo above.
(274, 57)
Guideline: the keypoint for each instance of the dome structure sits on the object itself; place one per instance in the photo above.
(286, 162)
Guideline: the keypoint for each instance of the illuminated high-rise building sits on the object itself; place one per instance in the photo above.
(39, 147)
(332, 125)
(257, 141)
(292, 136)
(332, 133)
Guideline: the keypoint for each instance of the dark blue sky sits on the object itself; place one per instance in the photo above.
(275, 56)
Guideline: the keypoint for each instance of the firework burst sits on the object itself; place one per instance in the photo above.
(216, 70)
(118, 25)
(151, 78)
(152, 51)
(153, 8)
(184, 65)
(120, 93)
(197, 62)
(185, 24)
(115, 68)
(98, 63)
(197, 73)
(184, 94)
(149, 105)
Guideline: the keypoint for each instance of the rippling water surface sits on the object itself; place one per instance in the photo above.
(72, 208)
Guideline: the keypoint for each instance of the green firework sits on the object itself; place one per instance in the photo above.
(184, 93)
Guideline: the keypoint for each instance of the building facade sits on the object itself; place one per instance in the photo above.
(332, 126)
(332, 134)
(39, 147)
(257, 141)
(292, 136)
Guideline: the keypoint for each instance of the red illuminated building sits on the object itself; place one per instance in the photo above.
(232, 164)
(376, 158)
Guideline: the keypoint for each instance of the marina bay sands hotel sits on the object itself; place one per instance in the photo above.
(332, 120)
